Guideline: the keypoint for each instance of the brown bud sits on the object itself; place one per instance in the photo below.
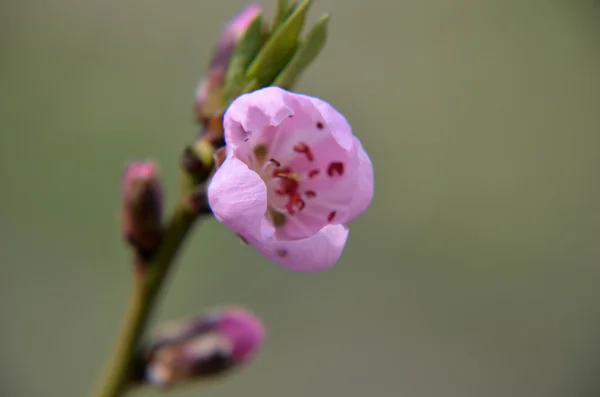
(142, 208)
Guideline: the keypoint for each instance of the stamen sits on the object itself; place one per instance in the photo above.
(303, 148)
(277, 163)
(300, 204)
(310, 193)
(282, 172)
(335, 168)
(331, 216)
(292, 202)
(287, 186)
(313, 173)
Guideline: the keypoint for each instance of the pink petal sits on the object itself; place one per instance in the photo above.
(318, 252)
(363, 193)
(251, 113)
(238, 198)
(333, 120)
(244, 330)
(242, 21)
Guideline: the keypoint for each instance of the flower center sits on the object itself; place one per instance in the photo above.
(291, 181)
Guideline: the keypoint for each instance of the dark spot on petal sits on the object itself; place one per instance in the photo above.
(310, 193)
(277, 163)
(313, 173)
(282, 253)
(331, 216)
(335, 168)
(320, 125)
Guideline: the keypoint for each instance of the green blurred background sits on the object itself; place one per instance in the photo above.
(474, 273)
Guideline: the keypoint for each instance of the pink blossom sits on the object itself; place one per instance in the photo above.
(293, 178)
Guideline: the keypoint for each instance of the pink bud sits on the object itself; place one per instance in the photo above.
(244, 330)
(215, 76)
(142, 207)
(203, 346)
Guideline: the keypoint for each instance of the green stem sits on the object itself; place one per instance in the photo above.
(146, 289)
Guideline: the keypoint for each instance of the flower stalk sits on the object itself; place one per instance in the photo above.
(146, 289)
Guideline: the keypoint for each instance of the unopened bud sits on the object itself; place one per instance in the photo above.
(142, 208)
(204, 346)
(209, 95)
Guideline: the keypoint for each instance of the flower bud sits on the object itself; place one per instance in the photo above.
(142, 208)
(209, 92)
(204, 346)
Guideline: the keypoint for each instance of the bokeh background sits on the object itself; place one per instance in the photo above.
(474, 273)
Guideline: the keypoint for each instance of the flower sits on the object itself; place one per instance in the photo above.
(293, 178)
(203, 346)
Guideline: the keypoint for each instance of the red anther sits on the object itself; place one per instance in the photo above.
(291, 205)
(303, 148)
(335, 168)
(300, 204)
(287, 186)
(331, 216)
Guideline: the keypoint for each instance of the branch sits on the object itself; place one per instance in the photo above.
(148, 284)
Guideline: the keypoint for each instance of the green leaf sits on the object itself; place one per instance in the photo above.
(245, 51)
(308, 50)
(251, 86)
(281, 13)
(291, 8)
(279, 48)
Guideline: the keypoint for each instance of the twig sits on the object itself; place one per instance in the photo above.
(146, 289)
